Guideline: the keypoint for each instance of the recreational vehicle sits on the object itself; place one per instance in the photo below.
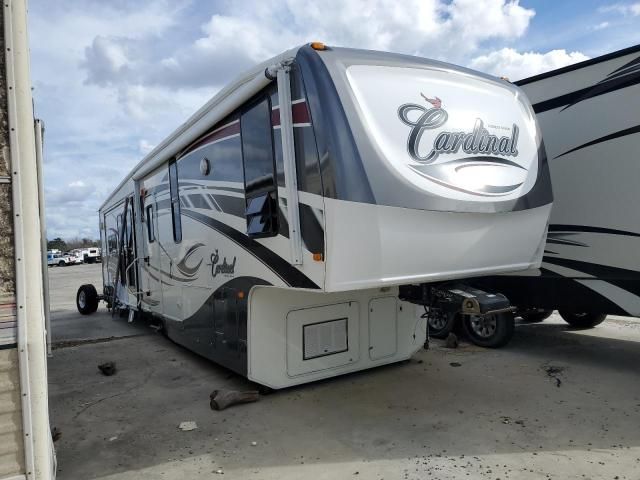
(589, 114)
(26, 448)
(290, 227)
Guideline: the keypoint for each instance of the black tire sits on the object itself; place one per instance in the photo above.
(491, 331)
(61, 263)
(582, 320)
(441, 324)
(87, 299)
(535, 315)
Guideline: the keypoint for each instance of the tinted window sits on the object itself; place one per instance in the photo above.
(198, 201)
(225, 157)
(150, 229)
(257, 149)
(306, 152)
(175, 202)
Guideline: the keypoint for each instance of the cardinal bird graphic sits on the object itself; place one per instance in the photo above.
(436, 102)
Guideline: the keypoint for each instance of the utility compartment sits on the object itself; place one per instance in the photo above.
(383, 327)
(321, 338)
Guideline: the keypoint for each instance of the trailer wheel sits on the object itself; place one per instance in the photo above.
(491, 331)
(582, 320)
(87, 299)
(441, 323)
(535, 315)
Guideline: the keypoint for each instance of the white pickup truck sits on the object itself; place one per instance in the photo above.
(60, 259)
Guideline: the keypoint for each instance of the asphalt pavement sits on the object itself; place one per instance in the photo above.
(554, 404)
(67, 325)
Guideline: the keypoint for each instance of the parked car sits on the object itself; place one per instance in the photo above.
(60, 259)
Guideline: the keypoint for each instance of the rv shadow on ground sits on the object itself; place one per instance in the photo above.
(586, 347)
(497, 404)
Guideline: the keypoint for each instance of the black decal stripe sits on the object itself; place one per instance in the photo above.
(569, 99)
(606, 138)
(282, 268)
(563, 241)
(312, 231)
(549, 273)
(622, 73)
(596, 270)
(560, 101)
(166, 274)
(461, 162)
(625, 279)
(150, 302)
(633, 64)
(590, 229)
(283, 222)
(182, 266)
(148, 272)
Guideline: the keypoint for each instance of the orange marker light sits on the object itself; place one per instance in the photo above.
(318, 257)
(241, 295)
(318, 46)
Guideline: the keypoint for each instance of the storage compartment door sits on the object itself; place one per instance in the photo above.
(320, 338)
(383, 327)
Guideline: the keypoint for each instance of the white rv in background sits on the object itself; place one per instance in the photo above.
(589, 114)
(287, 229)
(88, 254)
(26, 449)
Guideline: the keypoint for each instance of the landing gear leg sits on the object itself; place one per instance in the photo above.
(425, 316)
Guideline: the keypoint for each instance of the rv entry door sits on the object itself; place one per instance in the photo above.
(151, 263)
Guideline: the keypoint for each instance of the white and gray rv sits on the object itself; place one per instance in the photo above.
(290, 227)
(589, 114)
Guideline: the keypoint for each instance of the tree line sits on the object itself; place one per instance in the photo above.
(71, 244)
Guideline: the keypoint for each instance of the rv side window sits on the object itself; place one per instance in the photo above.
(259, 170)
(150, 230)
(175, 202)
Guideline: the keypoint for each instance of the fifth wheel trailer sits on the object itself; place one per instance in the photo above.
(26, 450)
(589, 114)
(287, 229)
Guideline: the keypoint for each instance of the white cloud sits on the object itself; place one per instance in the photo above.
(632, 9)
(108, 59)
(601, 26)
(252, 32)
(112, 79)
(514, 65)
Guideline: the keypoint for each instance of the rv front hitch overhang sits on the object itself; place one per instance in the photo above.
(455, 298)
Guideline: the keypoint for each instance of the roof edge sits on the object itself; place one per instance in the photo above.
(158, 154)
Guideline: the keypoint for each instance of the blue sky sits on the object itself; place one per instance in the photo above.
(112, 79)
